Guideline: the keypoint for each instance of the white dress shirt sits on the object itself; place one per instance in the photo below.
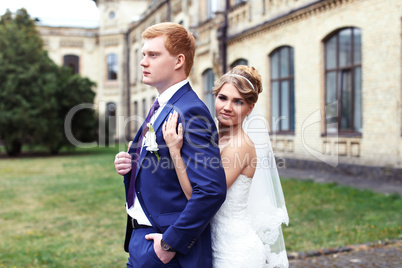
(136, 211)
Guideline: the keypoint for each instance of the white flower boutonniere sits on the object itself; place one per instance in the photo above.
(150, 141)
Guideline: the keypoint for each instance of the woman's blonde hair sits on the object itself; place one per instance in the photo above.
(177, 41)
(245, 79)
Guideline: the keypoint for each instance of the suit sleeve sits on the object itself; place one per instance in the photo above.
(201, 156)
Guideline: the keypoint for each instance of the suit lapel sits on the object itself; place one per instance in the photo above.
(162, 117)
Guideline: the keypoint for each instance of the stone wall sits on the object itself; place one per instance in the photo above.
(255, 29)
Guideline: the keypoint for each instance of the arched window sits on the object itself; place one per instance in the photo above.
(343, 81)
(282, 90)
(208, 79)
(238, 62)
(112, 66)
(73, 62)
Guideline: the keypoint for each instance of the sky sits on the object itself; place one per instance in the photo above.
(79, 13)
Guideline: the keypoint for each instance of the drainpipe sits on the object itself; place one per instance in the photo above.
(224, 38)
(169, 11)
(128, 126)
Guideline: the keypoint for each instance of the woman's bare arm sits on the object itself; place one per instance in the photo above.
(175, 141)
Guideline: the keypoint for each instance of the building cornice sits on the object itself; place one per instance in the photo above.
(291, 16)
(146, 15)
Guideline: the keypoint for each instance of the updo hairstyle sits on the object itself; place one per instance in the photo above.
(235, 78)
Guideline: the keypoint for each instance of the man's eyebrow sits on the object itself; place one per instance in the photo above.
(151, 52)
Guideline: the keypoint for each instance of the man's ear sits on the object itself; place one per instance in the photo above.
(180, 61)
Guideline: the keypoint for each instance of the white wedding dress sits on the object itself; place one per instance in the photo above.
(246, 231)
(235, 243)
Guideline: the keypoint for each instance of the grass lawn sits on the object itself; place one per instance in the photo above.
(68, 211)
(62, 211)
(330, 215)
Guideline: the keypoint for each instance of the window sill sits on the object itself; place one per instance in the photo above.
(284, 133)
(343, 135)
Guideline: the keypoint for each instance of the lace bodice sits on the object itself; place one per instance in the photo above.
(235, 205)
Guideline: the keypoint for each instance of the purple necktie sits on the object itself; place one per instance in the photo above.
(131, 191)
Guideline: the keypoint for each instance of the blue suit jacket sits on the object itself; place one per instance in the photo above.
(184, 223)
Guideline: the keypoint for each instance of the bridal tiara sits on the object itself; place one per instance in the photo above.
(238, 75)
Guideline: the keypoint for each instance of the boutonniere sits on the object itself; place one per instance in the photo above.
(150, 141)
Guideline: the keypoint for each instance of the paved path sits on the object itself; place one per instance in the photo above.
(363, 257)
(357, 182)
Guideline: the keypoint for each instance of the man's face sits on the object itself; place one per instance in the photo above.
(158, 66)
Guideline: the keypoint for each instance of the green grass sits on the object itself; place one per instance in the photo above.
(68, 211)
(62, 211)
(330, 215)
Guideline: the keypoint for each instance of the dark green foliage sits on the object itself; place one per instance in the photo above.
(66, 92)
(36, 94)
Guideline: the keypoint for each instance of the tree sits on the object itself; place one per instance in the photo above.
(67, 92)
(21, 61)
(36, 94)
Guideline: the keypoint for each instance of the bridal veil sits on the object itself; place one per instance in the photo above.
(266, 205)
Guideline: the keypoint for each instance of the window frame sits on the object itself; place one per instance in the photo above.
(240, 61)
(112, 63)
(208, 80)
(72, 61)
(290, 78)
(340, 71)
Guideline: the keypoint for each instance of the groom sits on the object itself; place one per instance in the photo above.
(164, 229)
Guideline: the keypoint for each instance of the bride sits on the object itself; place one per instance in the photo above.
(246, 231)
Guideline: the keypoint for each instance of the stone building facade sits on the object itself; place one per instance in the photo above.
(331, 69)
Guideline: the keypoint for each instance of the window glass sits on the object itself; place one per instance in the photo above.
(112, 66)
(346, 103)
(208, 83)
(144, 108)
(282, 89)
(291, 62)
(345, 47)
(330, 53)
(135, 112)
(238, 62)
(292, 105)
(330, 87)
(285, 106)
(284, 59)
(73, 62)
(343, 92)
(357, 100)
(275, 105)
(331, 108)
(357, 46)
(111, 118)
(274, 66)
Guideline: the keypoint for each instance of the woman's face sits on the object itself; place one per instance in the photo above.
(230, 107)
